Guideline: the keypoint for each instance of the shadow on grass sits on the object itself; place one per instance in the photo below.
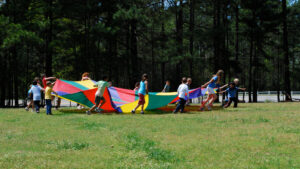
(161, 111)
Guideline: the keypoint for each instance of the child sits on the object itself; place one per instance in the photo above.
(30, 98)
(167, 87)
(189, 83)
(182, 90)
(210, 89)
(48, 97)
(36, 91)
(137, 86)
(236, 82)
(44, 81)
(143, 90)
(85, 76)
(232, 90)
(102, 84)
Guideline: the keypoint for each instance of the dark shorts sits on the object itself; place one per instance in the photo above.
(141, 99)
(98, 99)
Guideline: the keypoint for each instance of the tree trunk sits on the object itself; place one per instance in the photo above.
(163, 45)
(250, 68)
(237, 33)
(4, 80)
(191, 28)
(216, 41)
(287, 83)
(134, 52)
(15, 76)
(48, 59)
(255, 74)
(179, 38)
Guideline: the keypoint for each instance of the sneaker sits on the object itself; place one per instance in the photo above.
(142, 112)
(174, 112)
(26, 108)
(132, 111)
(37, 111)
(201, 109)
(88, 112)
(98, 110)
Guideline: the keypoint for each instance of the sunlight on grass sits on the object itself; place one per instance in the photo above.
(265, 135)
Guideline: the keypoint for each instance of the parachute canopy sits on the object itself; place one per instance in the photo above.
(117, 99)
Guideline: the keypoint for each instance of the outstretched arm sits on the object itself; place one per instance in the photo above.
(54, 92)
(222, 91)
(85, 78)
(226, 85)
(205, 85)
(242, 89)
(50, 78)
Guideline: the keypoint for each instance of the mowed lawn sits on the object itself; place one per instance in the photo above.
(263, 135)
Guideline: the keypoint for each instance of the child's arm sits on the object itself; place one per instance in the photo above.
(188, 95)
(50, 78)
(223, 86)
(42, 89)
(146, 83)
(85, 78)
(205, 85)
(242, 89)
(222, 91)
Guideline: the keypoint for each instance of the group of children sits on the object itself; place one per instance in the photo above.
(142, 89)
(34, 94)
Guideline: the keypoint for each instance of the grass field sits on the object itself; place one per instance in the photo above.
(265, 135)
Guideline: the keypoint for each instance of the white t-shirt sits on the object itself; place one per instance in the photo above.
(101, 88)
(36, 91)
(182, 90)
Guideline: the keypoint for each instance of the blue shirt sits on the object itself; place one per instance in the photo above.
(142, 89)
(232, 92)
(166, 88)
(213, 83)
(36, 91)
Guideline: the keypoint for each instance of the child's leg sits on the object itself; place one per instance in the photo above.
(97, 102)
(31, 104)
(178, 107)
(214, 97)
(102, 103)
(49, 106)
(206, 100)
(136, 107)
(235, 100)
(182, 105)
(58, 101)
(93, 108)
(142, 107)
(229, 103)
(37, 105)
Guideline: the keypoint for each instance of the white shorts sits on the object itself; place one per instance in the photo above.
(210, 90)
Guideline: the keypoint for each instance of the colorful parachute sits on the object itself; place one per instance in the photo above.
(117, 99)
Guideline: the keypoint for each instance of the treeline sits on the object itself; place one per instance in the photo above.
(256, 41)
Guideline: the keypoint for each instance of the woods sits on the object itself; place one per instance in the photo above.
(256, 41)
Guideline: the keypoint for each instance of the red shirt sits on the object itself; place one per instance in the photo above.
(44, 81)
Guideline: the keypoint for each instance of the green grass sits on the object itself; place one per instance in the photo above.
(265, 135)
